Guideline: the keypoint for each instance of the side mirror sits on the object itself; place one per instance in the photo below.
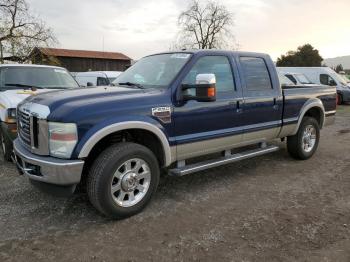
(89, 84)
(205, 89)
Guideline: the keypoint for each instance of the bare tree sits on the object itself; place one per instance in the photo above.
(20, 31)
(205, 26)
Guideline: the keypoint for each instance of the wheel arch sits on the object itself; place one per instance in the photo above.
(313, 108)
(130, 126)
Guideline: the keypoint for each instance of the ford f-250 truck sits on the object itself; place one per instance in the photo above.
(167, 110)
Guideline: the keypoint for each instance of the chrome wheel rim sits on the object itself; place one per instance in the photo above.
(130, 182)
(309, 138)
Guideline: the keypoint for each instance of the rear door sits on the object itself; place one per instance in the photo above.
(263, 100)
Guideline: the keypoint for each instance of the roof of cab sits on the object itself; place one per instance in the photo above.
(215, 51)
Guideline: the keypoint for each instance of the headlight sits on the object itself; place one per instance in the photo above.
(11, 115)
(62, 139)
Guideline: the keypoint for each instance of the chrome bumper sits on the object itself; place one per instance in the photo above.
(47, 169)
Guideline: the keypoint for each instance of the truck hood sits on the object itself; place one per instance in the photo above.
(68, 104)
(11, 98)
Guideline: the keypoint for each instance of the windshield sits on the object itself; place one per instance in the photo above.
(303, 79)
(155, 71)
(36, 77)
(344, 78)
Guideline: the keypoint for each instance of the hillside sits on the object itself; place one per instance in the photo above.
(344, 60)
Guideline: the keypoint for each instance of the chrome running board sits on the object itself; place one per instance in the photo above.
(182, 169)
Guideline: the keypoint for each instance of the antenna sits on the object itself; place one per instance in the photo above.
(103, 43)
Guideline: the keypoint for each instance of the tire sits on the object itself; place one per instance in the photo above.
(303, 145)
(339, 99)
(123, 166)
(6, 146)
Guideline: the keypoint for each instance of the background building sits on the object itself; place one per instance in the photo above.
(81, 60)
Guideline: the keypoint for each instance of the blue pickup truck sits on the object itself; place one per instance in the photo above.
(167, 111)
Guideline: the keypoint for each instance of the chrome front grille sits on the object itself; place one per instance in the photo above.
(24, 127)
(33, 127)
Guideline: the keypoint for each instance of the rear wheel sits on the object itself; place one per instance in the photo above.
(6, 146)
(304, 144)
(123, 179)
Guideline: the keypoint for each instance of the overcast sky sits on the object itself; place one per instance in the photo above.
(141, 27)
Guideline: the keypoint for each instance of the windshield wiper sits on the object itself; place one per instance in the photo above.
(131, 84)
(25, 86)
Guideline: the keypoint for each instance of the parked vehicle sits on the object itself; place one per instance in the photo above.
(170, 109)
(17, 82)
(100, 78)
(323, 76)
(298, 79)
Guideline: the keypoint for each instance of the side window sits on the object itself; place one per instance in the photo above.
(101, 81)
(327, 80)
(218, 65)
(256, 74)
(291, 78)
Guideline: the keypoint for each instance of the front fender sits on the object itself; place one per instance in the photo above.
(101, 130)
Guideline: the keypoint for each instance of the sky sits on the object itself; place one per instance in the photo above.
(142, 27)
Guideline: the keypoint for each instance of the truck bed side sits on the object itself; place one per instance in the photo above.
(317, 101)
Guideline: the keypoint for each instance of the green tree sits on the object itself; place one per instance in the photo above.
(305, 55)
(339, 68)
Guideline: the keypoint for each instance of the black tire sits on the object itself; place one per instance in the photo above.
(6, 146)
(339, 99)
(295, 143)
(101, 177)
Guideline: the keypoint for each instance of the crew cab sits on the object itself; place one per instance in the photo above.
(167, 112)
(17, 82)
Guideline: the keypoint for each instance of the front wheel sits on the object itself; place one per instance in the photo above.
(304, 144)
(123, 179)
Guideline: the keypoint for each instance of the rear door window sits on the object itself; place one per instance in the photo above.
(256, 74)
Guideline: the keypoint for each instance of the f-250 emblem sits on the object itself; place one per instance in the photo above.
(162, 113)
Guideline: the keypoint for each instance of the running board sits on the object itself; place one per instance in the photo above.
(185, 170)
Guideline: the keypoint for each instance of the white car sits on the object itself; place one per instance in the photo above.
(96, 78)
(17, 82)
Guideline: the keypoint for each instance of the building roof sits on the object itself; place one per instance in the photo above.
(83, 54)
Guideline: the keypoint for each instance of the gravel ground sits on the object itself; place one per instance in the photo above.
(271, 208)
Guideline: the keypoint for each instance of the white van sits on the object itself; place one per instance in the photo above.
(96, 78)
(323, 76)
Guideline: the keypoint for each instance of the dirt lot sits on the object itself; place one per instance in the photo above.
(271, 208)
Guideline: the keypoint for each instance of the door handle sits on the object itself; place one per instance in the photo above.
(239, 103)
(275, 105)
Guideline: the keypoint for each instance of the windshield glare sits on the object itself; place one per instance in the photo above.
(155, 71)
(40, 77)
(344, 79)
(303, 79)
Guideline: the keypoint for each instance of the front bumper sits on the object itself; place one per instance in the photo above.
(47, 169)
(9, 130)
(345, 95)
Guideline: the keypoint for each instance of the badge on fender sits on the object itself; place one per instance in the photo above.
(162, 113)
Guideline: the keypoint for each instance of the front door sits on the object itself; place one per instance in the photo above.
(206, 127)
